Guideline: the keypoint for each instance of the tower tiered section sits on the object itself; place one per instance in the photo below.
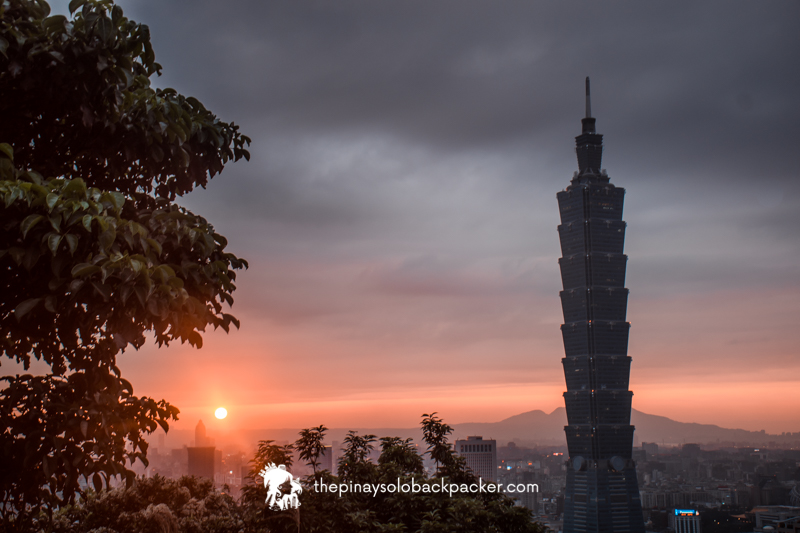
(602, 492)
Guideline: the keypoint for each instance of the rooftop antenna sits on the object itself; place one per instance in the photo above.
(588, 100)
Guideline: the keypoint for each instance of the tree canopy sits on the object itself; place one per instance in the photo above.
(77, 102)
(94, 253)
(88, 273)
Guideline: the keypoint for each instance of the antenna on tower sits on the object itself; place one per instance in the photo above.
(588, 100)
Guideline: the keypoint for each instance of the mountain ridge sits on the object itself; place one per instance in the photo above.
(649, 428)
(530, 429)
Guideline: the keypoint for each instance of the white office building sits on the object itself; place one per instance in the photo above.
(481, 456)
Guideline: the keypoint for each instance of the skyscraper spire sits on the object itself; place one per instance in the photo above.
(588, 99)
(589, 144)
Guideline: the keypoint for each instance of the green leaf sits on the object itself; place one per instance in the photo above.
(72, 242)
(36, 178)
(97, 481)
(116, 14)
(25, 307)
(84, 269)
(54, 24)
(118, 199)
(75, 4)
(29, 222)
(53, 240)
(87, 222)
(155, 244)
(5, 147)
(51, 200)
(15, 195)
(3, 46)
(163, 271)
(77, 185)
(55, 221)
(104, 29)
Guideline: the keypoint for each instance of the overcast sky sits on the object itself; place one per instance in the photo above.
(399, 210)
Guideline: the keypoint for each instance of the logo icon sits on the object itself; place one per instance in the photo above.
(282, 489)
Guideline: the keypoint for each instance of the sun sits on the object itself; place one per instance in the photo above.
(221, 413)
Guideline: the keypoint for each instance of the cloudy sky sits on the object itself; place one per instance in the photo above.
(399, 210)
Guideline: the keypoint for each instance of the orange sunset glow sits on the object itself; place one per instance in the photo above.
(272, 375)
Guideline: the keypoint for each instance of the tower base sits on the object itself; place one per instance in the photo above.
(600, 500)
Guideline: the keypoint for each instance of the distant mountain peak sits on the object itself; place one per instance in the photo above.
(538, 427)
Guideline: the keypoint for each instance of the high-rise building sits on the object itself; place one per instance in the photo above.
(602, 493)
(200, 434)
(481, 456)
(201, 461)
(201, 438)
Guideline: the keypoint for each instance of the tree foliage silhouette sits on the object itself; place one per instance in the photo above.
(353, 464)
(311, 447)
(94, 254)
(435, 434)
(401, 456)
(425, 510)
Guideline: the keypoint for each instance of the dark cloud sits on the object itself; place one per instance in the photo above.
(457, 75)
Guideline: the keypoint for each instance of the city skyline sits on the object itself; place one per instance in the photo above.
(398, 212)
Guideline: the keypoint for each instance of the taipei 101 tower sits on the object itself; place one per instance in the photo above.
(602, 491)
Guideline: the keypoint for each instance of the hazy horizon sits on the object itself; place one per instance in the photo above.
(459, 423)
(544, 431)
